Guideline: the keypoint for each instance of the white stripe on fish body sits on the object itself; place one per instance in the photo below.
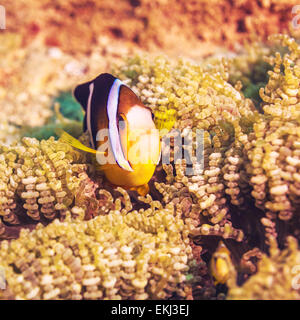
(112, 110)
(88, 118)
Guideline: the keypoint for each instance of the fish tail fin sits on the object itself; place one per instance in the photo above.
(67, 138)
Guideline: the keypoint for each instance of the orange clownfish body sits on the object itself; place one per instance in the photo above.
(221, 264)
(122, 131)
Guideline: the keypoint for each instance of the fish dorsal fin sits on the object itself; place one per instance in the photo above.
(112, 111)
(81, 93)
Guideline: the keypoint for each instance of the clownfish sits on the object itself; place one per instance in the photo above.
(221, 264)
(129, 154)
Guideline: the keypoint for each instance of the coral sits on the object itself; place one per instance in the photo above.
(122, 255)
(271, 154)
(247, 186)
(276, 278)
(200, 100)
(42, 177)
(251, 70)
(242, 188)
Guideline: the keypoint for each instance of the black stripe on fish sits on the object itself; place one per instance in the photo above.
(101, 88)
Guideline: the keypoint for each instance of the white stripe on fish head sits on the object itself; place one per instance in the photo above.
(112, 110)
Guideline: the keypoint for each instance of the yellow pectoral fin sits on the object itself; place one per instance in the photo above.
(67, 138)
